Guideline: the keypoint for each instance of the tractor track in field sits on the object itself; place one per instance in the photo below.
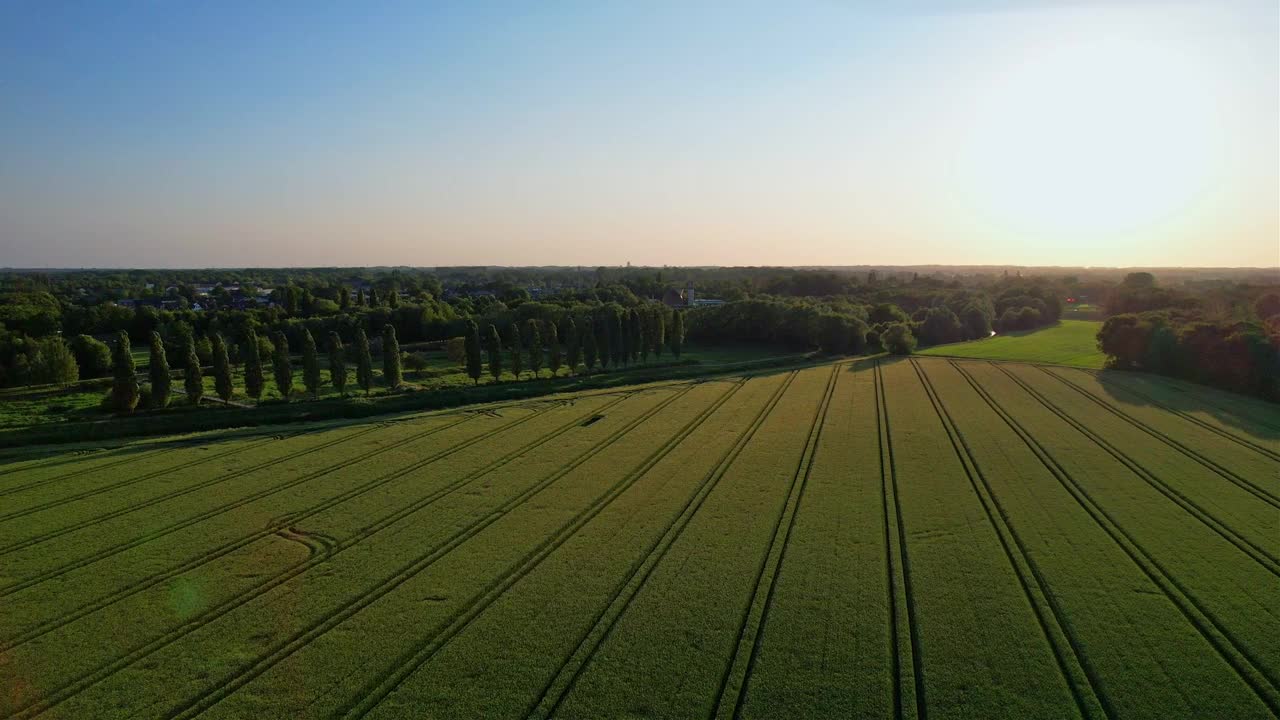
(428, 647)
(1079, 674)
(732, 694)
(1198, 391)
(899, 573)
(125, 483)
(67, 691)
(1125, 387)
(1226, 474)
(105, 466)
(299, 639)
(1258, 554)
(1241, 661)
(571, 668)
(90, 522)
(272, 527)
(174, 527)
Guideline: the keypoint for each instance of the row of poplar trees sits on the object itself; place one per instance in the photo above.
(126, 392)
(610, 337)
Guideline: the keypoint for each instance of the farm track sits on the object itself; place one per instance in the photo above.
(174, 527)
(301, 638)
(1258, 554)
(737, 674)
(1072, 662)
(195, 623)
(1248, 444)
(1245, 665)
(90, 522)
(909, 698)
(289, 519)
(370, 697)
(97, 468)
(125, 483)
(1226, 474)
(566, 676)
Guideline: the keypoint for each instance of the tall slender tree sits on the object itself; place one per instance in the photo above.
(124, 382)
(572, 344)
(659, 330)
(373, 298)
(628, 338)
(222, 383)
(364, 363)
(602, 328)
(337, 363)
(637, 335)
(360, 298)
(589, 344)
(253, 379)
(161, 379)
(535, 346)
(676, 336)
(493, 346)
(281, 365)
(553, 348)
(645, 332)
(618, 339)
(517, 361)
(475, 363)
(310, 364)
(344, 297)
(391, 371)
(393, 298)
(192, 375)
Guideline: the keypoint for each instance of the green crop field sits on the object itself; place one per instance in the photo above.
(906, 538)
(1069, 342)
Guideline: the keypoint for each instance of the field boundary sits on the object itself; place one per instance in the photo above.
(1226, 474)
(1080, 676)
(751, 631)
(1246, 667)
(299, 639)
(909, 698)
(1231, 535)
(562, 682)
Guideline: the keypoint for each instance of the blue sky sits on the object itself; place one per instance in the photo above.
(232, 134)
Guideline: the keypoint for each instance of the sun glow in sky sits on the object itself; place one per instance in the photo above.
(1039, 133)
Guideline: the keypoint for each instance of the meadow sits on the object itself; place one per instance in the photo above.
(1068, 342)
(899, 538)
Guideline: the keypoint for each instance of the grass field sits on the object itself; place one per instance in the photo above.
(1070, 342)
(903, 538)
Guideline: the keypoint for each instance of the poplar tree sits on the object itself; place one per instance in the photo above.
(281, 366)
(393, 298)
(618, 338)
(222, 370)
(644, 329)
(572, 346)
(253, 380)
(310, 364)
(475, 363)
(337, 363)
(161, 380)
(637, 335)
(589, 345)
(344, 297)
(192, 376)
(391, 371)
(601, 329)
(494, 348)
(124, 383)
(659, 331)
(628, 337)
(676, 338)
(553, 345)
(360, 301)
(517, 362)
(373, 297)
(535, 347)
(364, 363)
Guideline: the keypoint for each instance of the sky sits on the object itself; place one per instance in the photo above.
(164, 133)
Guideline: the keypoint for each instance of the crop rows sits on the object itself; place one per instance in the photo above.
(905, 538)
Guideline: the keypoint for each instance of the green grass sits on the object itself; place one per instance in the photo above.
(1070, 342)
(871, 538)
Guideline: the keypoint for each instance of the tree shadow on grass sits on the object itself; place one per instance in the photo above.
(1250, 415)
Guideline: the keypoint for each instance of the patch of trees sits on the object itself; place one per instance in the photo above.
(1241, 356)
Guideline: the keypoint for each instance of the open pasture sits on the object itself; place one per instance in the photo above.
(907, 538)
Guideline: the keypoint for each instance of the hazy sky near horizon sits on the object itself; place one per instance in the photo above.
(186, 134)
